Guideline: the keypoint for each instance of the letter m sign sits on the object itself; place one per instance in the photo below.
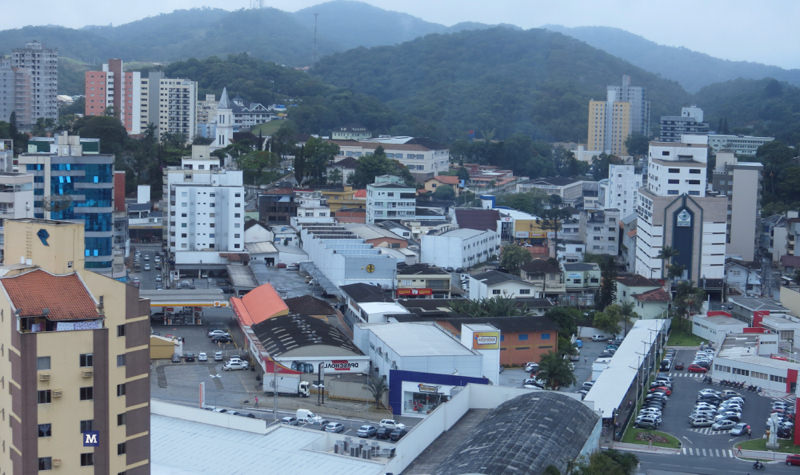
(91, 438)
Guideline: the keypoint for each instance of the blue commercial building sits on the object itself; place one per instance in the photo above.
(74, 182)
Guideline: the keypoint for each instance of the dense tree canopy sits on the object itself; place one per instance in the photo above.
(376, 164)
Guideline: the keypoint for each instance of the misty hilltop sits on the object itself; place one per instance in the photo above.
(288, 38)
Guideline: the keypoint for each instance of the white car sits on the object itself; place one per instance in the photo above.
(599, 337)
(530, 366)
(233, 365)
(218, 356)
(213, 333)
(202, 356)
(724, 424)
(392, 424)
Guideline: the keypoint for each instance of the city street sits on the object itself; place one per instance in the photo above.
(657, 464)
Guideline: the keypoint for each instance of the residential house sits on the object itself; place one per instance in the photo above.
(648, 296)
(450, 180)
(582, 283)
(546, 275)
(422, 281)
(743, 277)
(494, 283)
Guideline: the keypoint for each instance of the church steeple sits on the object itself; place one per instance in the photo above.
(224, 122)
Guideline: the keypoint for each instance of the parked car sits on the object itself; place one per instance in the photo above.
(218, 356)
(146, 266)
(202, 356)
(289, 420)
(724, 424)
(599, 337)
(233, 365)
(188, 357)
(741, 428)
(217, 332)
(701, 422)
(334, 427)
(678, 366)
(391, 424)
(695, 368)
(587, 385)
(532, 383)
(398, 433)
(366, 431)
(383, 433)
(221, 339)
(647, 423)
(793, 459)
(531, 367)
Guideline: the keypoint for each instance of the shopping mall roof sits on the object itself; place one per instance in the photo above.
(525, 435)
(258, 305)
(183, 446)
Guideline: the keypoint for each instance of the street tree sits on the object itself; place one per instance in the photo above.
(566, 318)
(666, 254)
(444, 193)
(513, 257)
(377, 387)
(555, 371)
(498, 306)
(610, 319)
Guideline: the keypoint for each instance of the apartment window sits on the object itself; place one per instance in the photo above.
(694, 182)
(524, 291)
(496, 292)
(43, 362)
(545, 336)
(87, 425)
(121, 448)
(45, 463)
(45, 430)
(120, 330)
(673, 181)
(43, 396)
(87, 459)
(120, 389)
(120, 360)
(523, 336)
(674, 170)
(121, 419)
(87, 393)
(672, 192)
(86, 360)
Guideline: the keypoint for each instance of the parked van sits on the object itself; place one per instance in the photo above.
(304, 415)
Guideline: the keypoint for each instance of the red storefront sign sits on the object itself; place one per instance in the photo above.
(424, 291)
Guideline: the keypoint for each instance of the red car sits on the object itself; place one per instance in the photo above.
(678, 366)
(661, 389)
(696, 368)
(793, 459)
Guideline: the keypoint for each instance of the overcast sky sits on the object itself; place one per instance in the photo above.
(765, 32)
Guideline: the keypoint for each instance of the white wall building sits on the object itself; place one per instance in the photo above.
(390, 199)
(205, 206)
(420, 157)
(423, 347)
(312, 207)
(620, 191)
(460, 248)
(494, 283)
(673, 210)
(743, 145)
(16, 198)
(344, 258)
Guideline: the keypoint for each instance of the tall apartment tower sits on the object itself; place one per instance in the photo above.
(675, 210)
(619, 192)
(740, 182)
(625, 111)
(39, 101)
(169, 104)
(112, 87)
(75, 385)
(73, 181)
(205, 205)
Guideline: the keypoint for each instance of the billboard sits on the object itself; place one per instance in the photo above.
(486, 340)
(409, 291)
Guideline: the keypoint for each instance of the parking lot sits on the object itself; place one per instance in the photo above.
(703, 441)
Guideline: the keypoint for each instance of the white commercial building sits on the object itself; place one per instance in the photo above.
(312, 207)
(424, 347)
(422, 158)
(714, 328)
(620, 190)
(747, 358)
(460, 248)
(344, 258)
(743, 145)
(205, 206)
(494, 283)
(673, 210)
(390, 199)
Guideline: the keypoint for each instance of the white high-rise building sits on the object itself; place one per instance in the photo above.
(674, 210)
(619, 191)
(169, 104)
(205, 206)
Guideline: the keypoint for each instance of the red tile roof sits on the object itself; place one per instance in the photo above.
(259, 304)
(64, 296)
(360, 193)
(655, 295)
(447, 179)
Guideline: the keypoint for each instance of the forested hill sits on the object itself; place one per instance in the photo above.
(691, 69)
(497, 82)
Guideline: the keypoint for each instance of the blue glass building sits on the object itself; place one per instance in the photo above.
(74, 182)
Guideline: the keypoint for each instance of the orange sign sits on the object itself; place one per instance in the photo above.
(424, 291)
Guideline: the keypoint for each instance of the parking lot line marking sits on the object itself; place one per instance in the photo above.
(730, 453)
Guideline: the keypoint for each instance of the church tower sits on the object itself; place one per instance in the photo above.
(224, 123)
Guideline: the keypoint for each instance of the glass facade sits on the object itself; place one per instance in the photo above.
(68, 196)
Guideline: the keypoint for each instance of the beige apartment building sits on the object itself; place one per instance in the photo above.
(77, 369)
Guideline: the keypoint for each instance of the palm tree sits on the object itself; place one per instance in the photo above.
(666, 254)
(377, 387)
(555, 371)
(626, 309)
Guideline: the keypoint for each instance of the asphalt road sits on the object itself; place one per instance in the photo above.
(657, 464)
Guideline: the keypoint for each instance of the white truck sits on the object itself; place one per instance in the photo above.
(288, 384)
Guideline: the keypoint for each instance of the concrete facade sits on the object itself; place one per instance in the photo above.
(36, 96)
(390, 199)
(460, 248)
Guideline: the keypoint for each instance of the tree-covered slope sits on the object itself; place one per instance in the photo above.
(498, 81)
(691, 69)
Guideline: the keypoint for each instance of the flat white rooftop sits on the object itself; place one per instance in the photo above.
(418, 339)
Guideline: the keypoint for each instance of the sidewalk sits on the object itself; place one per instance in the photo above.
(763, 455)
(641, 448)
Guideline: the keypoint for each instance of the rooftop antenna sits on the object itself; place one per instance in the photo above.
(315, 53)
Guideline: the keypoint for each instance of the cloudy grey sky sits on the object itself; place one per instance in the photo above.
(765, 32)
